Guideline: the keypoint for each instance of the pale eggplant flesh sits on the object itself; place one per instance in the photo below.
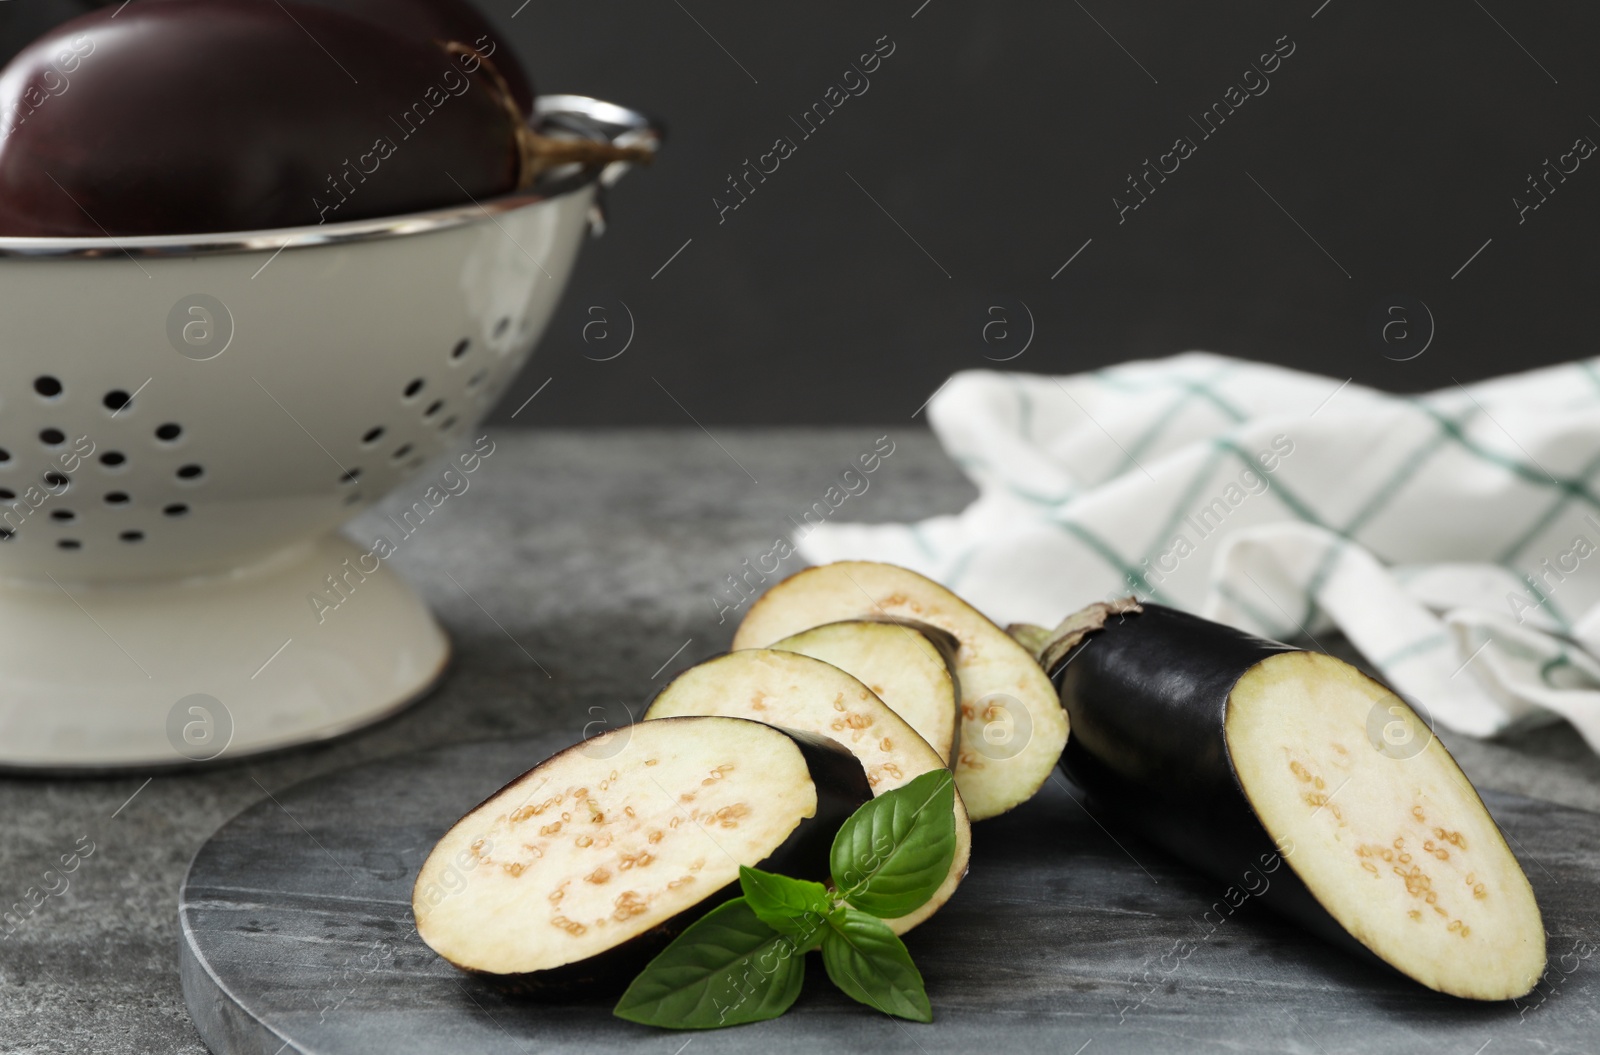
(808, 695)
(1012, 724)
(908, 665)
(573, 876)
(1239, 754)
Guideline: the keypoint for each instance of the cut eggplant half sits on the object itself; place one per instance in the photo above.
(809, 696)
(1012, 725)
(583, 868)
(908, 666)
(1238, 754)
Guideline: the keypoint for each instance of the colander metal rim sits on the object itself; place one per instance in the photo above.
(578, 114)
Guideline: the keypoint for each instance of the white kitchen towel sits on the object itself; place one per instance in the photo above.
(1453, 537)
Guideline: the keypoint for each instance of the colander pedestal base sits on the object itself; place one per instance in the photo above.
(171, 673)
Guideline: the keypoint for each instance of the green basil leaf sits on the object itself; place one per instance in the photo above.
(728, 968)
(796, 907)
(894, 853)
(865, 959)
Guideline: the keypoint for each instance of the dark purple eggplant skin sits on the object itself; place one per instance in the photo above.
(191, 116)
(1146, 697)
(441, 21)
(842, 789)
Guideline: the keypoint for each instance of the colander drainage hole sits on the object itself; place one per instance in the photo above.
(401, 451)
(7, 494)
(116, 399)
(69, 543)
(444, 426)
(65, 516)
(190, 472)
(433, 408)
(57, 482)
(461, 349)
(47, 386)
(6, 534)
(169, 432)
(117, 498)
(176, 509)
(476, 379)
(373, 435)
(112, 459)
(52, 437)
(132, 536)
(350, 476)
(413, 388)
(5, 455)
(502, 326)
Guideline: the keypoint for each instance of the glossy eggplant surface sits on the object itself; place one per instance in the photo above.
(1239, 754)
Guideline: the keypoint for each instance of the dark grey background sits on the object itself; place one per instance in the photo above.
(996, 136)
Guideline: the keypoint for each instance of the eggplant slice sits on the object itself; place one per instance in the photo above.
(809, 696)
(1234, 752)
(1012, 725)
(907, 666)
(583, 868)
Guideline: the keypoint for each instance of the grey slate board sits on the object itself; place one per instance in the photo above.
(297, 936)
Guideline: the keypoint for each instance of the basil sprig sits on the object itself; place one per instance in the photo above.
(744, 960)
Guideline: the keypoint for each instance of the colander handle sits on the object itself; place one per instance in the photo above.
(605, 122)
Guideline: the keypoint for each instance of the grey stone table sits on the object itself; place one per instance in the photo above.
(586, 562)
(298, 936)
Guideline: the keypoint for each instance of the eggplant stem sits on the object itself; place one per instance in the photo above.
(537, 154)
(1050, 647)
(1030, 636)
(543, 153)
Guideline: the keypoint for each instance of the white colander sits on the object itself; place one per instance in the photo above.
(186, 421)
